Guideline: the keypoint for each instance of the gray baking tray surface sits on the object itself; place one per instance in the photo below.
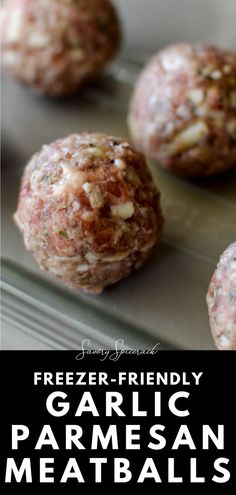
(162, 303)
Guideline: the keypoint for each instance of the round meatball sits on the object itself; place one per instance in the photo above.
(56, 46)
(221, 300)
(183, 111)
(89, 210)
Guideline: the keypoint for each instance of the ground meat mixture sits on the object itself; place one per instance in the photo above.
(56, 46)
(89, 210)
(183, 111)
(221, 300)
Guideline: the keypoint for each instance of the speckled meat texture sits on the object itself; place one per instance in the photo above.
(56, 46)
(183, 111)
(221, 300)
(89, 210)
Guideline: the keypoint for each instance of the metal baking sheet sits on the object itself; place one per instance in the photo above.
(165, 301)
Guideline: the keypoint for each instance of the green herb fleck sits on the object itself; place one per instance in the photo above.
(44, 177)
(64, 234)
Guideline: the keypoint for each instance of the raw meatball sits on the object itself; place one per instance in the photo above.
(183, 111)
(221, 300)
(55, 46)
(89, 210)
